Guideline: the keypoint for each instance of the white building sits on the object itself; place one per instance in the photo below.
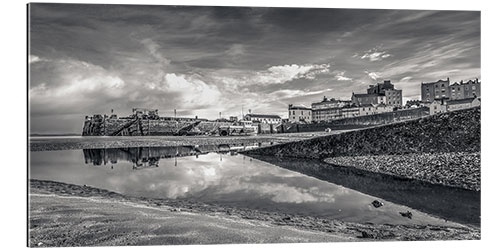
(299, 113)
(269, 119)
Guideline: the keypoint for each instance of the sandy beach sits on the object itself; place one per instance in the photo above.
(71, 215)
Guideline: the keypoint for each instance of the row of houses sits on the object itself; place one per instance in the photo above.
(379, 98)
(382, 97)
(442, 89)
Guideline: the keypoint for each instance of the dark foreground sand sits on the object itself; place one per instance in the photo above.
(70, 215)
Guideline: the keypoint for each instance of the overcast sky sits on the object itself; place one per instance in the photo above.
(89, 59)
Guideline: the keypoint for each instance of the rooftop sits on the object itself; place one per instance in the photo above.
(264, 116)
(461, 101)
(298, 107)
(367, 95)
(438, 81)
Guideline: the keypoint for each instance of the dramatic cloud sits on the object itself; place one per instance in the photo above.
(87, 59)
(190, 91)
(285, 73)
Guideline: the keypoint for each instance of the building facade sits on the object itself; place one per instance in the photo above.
(367, 99)
(456, 91)
(269, 119)
(328, 109)
(382, 93)
(299, 113)
(471, 88)
(437, 106)
(435, 90)
(350, 111)
(463, 104)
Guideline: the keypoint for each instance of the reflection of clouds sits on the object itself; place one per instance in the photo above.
(229, 179)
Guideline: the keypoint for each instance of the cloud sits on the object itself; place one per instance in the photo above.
(153, 49)
(373, 75)
(280, 74)
(236, 50)
(340, 77)
(35, 59)
(374, 54)
(285, 73)
(190, 91)
(291, 93)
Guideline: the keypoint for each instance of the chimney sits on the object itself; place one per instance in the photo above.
(448, 79)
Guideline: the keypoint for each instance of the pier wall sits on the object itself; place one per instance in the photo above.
(357, 122)
(145, 127)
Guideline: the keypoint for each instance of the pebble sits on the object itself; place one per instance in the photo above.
(458, 169)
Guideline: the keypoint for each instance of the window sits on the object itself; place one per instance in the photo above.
(473, 87)
(294, 112)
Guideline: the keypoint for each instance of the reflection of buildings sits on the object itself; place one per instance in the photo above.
(141, 157)
(149, 157)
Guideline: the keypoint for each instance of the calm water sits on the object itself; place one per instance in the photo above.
(223, 178)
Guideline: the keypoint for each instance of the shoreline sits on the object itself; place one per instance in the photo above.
(344, 231)
(454, 169)
(92, 142)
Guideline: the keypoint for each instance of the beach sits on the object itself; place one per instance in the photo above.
(72, 215)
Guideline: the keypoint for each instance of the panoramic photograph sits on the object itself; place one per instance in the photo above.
(197, 125)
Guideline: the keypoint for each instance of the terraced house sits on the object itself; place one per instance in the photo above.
(442, 89)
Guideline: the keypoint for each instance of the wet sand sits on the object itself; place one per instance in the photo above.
(71, 215)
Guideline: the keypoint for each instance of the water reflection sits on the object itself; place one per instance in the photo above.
(149, 157)
(227, 179)
(454, 204)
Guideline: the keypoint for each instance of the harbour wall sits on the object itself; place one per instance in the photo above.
(357, 122)
(145, 127)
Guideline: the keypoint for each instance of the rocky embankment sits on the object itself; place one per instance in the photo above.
(457, 169)
(458, 131)
(443, 149)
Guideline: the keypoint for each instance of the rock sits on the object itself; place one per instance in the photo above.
(366, 235)
(40, 243)
(377, 203)
(407, 214)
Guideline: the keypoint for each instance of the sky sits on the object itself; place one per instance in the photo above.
(206, 61)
